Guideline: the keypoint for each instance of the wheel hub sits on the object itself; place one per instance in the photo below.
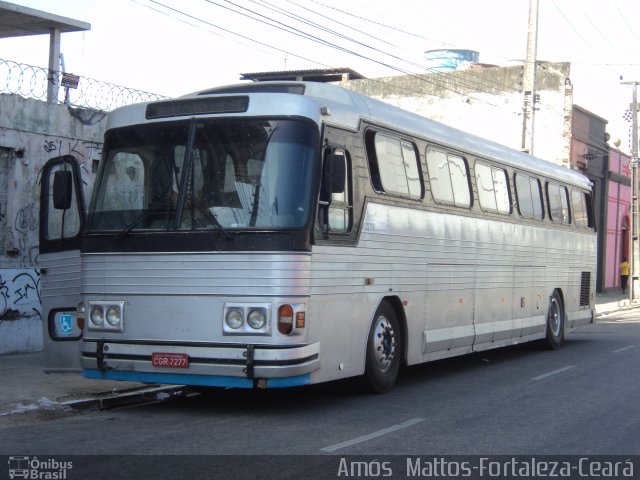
(554, 317)
(385, 344)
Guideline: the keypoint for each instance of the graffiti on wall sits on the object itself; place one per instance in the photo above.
(25, 225)
(4, 186)
(84, 151)
(19, 294)
(21, 228)
(20, 207)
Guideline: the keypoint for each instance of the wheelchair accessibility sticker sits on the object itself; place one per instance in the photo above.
(65, 325)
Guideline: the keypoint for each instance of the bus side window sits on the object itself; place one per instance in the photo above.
(581, 205)
(493, 189)
(449, 178)
(394, 165)
(558, 199)
(591, 215)
(529, 197)
(336, 207)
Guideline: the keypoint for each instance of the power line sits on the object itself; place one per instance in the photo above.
(350, 27)
(626, 22)
(570, 24)
(477, 87)
(287, 29)
(597, 30)
(335, 33)
(439, 76)
(229, 31)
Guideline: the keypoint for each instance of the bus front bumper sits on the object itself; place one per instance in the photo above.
(201, 364)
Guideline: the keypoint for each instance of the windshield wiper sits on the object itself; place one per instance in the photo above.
(144, 215)
(136, 221)
(216, 223)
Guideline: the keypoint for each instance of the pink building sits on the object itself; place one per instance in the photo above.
(618, 203)
(608, 169)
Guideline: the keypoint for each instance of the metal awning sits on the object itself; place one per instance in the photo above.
(19, 21)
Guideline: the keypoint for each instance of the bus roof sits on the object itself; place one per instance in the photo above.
(342, 103)
(345, 108)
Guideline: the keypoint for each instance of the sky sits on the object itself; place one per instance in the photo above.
(173, 47)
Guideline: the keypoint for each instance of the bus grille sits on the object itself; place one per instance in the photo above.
(585, 283)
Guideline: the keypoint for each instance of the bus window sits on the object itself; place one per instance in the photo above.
(339, 205)
(449, 178)
(558, 198)
(493, 189)
(588, 205)
(581, 211)
(63, 221)
(564, 201)
(394, 166)
(240, 174)
(411, 162)
(529, 197)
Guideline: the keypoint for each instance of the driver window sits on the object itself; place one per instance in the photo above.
(336, 208)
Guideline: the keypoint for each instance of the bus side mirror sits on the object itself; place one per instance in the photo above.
(62, 189)
(335, 173)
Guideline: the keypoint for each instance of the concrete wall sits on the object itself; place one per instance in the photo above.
(31, 133)
(487, 102)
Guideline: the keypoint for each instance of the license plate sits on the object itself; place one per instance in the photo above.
(170, 360)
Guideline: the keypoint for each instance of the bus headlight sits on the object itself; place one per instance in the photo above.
(97, 316)
(257, 318)
(246, 319)
(113, 316)
(106, 316)
(234, 318)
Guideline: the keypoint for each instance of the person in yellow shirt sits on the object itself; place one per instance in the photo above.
(624, 274)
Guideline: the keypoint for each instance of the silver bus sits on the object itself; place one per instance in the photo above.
(280, 234)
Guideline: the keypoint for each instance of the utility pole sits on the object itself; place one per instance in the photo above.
(634, 261)
(529, 81)
(53, 84)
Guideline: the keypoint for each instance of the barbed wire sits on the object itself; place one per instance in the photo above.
(31, 82)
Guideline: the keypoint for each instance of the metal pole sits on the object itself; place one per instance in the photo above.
(634, 261)
(54, 66)
(529, 81)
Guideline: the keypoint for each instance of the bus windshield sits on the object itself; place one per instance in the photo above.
(206, 174)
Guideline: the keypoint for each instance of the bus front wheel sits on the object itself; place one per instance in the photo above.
(555, 323)
(384, 350)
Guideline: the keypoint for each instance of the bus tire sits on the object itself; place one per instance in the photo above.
(555, 322)
(384, 350)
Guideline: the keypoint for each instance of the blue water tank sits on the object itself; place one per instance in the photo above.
(447, 60)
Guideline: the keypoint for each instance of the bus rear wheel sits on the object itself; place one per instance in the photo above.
(555, 323)
(384, 350)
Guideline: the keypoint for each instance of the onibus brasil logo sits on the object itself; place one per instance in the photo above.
(37, 469)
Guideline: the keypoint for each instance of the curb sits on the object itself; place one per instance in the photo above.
(616, 309)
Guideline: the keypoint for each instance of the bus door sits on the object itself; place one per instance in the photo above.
(62, 219)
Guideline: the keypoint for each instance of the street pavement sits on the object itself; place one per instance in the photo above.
(25, 387)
